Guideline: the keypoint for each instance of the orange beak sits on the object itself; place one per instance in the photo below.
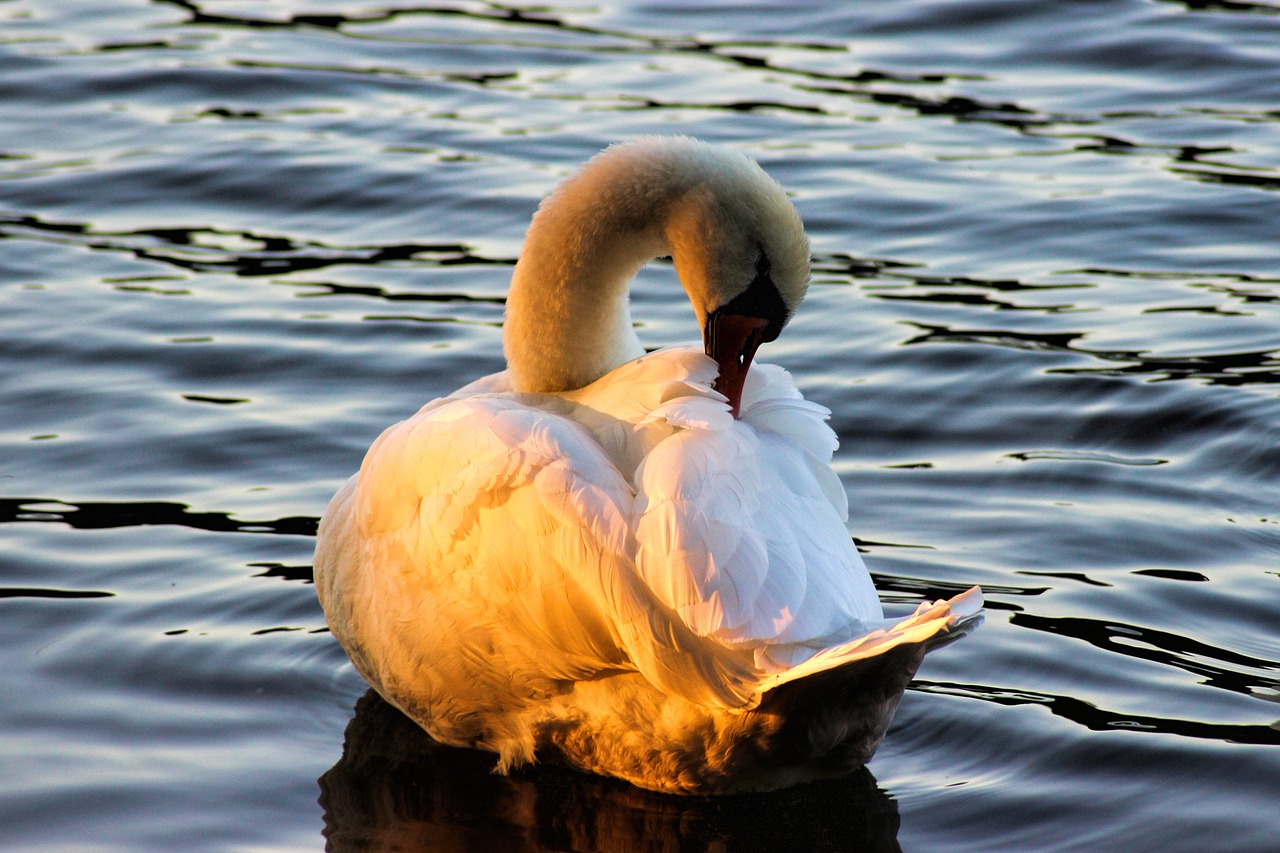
(732, 340)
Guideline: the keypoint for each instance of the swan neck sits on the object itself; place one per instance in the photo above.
(715, 212)
(568, 312)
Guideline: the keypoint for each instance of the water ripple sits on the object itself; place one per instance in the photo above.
(1100, 719)
(120, 514)
(237, 241)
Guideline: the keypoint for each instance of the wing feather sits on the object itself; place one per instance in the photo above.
(525, 542)
(740, 525)
(491, 526)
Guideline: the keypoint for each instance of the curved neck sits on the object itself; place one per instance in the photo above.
(568, 317)
(568, 312)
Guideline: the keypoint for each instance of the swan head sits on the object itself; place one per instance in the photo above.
(737, 242)
(741, 253)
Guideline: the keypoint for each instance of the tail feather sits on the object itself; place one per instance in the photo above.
(833, 710)
(929, 619)
(831, 722)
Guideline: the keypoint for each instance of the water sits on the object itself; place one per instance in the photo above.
(239, 239)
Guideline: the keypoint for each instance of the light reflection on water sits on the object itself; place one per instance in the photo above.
(237, 241)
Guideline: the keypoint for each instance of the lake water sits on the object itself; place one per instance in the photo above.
(238, 239)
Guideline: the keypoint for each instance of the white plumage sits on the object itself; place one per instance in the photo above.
(588, 556)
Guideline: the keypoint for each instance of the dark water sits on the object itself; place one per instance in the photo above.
(238, 239)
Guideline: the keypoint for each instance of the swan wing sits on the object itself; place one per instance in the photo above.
(494, 539)
(736, 532)
(475, 542)
(739, 524)
(503, 546)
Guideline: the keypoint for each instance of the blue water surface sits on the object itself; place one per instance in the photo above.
(237, 240)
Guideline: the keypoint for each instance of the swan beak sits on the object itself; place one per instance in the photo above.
(732, 340)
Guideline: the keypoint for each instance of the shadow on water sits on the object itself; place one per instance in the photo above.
(396, 788)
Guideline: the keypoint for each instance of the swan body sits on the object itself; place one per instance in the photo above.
(635, 563)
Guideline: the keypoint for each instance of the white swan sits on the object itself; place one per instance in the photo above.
(592, 555)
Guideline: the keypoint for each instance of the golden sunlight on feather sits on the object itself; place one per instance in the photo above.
(636, 564)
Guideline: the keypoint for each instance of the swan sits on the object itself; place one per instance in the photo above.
(636, 564)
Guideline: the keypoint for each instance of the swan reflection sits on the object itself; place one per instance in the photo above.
(396, 789)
